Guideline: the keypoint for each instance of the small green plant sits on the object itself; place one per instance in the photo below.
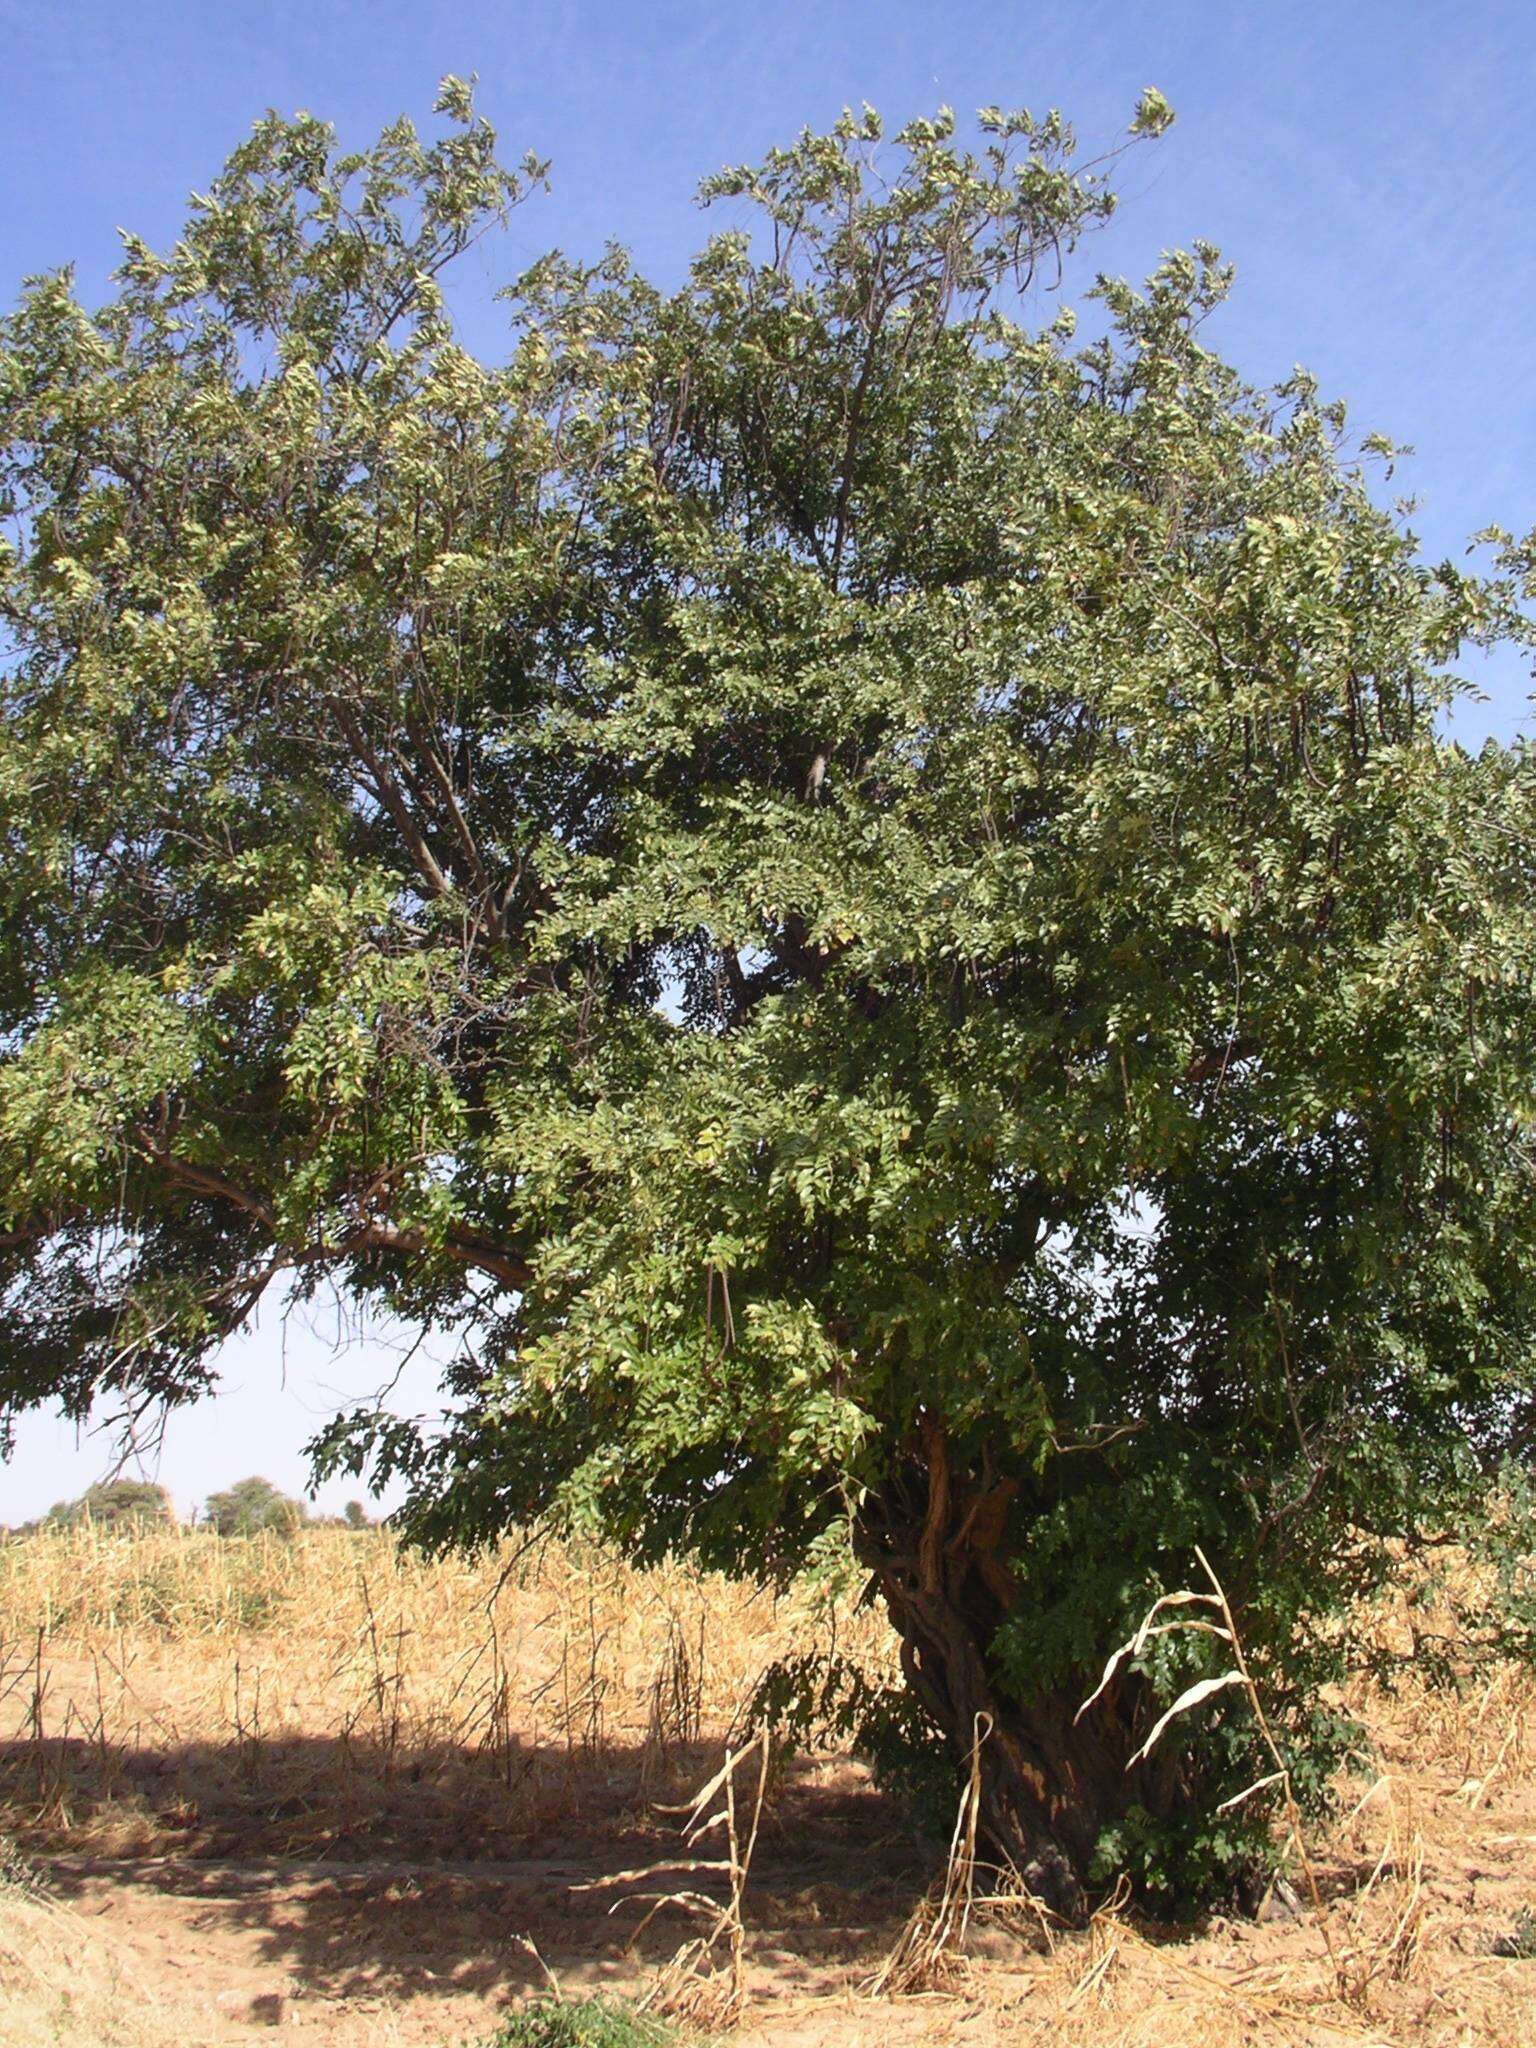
(16, 1873)
(581, 2023)
(1519, 1945)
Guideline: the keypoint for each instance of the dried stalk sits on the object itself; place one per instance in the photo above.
(930, 1952)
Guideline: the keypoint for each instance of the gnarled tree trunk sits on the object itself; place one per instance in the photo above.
(1050, 1783)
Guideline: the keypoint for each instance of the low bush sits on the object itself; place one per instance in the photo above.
(581, 2023)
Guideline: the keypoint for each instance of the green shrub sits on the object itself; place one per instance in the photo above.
(16, 1873)
(1519, 1945)
(581, 2023)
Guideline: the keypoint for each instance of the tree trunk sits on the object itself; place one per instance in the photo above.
(1050, 1784)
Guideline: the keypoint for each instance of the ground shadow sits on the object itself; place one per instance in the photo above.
(353, 1871)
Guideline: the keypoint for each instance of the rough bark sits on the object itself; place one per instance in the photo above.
(1050, 1784)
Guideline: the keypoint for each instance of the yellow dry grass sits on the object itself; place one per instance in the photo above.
(187, 1723)
(517, 1692)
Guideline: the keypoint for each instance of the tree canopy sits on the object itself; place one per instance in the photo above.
(866, 894)
(115, 1504)
(253, 1507)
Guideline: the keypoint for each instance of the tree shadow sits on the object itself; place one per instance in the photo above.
(364, 1870)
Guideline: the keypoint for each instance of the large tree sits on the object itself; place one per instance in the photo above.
(868, 898)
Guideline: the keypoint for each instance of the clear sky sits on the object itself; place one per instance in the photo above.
(1370, 168)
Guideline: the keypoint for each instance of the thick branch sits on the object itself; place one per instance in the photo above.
(391, 797)
(469, 1247)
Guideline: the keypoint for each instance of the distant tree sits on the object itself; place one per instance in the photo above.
(356, 1516)
(253, 1507)
(867, 895)
(116, 1504)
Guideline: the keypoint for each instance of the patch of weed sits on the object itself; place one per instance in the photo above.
(1520, 1942)
(582, 2023)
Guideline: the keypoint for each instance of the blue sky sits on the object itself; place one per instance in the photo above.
(1370, 168)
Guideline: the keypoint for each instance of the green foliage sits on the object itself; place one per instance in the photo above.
(820, 1694)
(865, 898)
(1197, 1853)
(253, 1507)
(581, 2023)
(116, 1504)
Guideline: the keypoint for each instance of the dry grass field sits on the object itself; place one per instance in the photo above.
(324, 1787)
